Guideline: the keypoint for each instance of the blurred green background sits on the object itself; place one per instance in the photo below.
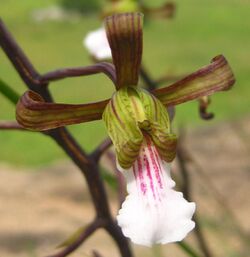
(199, 31)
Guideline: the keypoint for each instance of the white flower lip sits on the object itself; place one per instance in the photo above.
(153, 212)
(97, 44)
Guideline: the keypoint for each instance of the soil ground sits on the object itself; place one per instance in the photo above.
(40, 209)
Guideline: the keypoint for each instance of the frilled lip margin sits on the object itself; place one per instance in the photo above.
(34, 113)
(153, 212)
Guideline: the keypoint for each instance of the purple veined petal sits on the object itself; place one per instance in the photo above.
(97, 44)
(153, 212)
(124, 33)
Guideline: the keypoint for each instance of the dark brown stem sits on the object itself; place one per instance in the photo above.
(101, 148)
(11, 125)
(182, 158)
(103, 67)
(204, 102)
(149, 82)
(30, 75)
(90, 169)
(119, 178)
(85, 235)
(119, 239)
(21, 63)
(87, 165)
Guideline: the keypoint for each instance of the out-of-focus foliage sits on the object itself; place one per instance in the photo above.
(82, 6)
(8, 92)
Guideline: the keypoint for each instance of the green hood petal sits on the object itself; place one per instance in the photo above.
(131, 113)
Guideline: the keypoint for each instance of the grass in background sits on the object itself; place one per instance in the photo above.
(200, 30)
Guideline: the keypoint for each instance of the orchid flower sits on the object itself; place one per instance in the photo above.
(97, 44)
(137, 121)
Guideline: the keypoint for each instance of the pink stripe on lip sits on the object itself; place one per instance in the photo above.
(149, 174)
(140, 175)
(157, 168)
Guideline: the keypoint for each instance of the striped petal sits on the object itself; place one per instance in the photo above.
(124, 32)
(217, 76)
(123, 128)
(33, 113)
(153, 212)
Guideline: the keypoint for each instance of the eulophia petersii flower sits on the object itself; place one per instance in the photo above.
(153, 211)
(97, 44)
(139, 126)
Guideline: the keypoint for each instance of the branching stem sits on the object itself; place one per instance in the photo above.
(87, 164)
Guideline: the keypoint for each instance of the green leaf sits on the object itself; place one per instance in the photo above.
(8, 92)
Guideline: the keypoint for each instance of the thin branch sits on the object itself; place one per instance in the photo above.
(204, 102)
(120, 179)
(30, 75)
(182, 160)
(90, 170)
(103, 67)
(20, 61)
(100, 149)
(9, 45)
(121, 241)
(182, 157)
(149, 82)
(87, 232)
(11, 125)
